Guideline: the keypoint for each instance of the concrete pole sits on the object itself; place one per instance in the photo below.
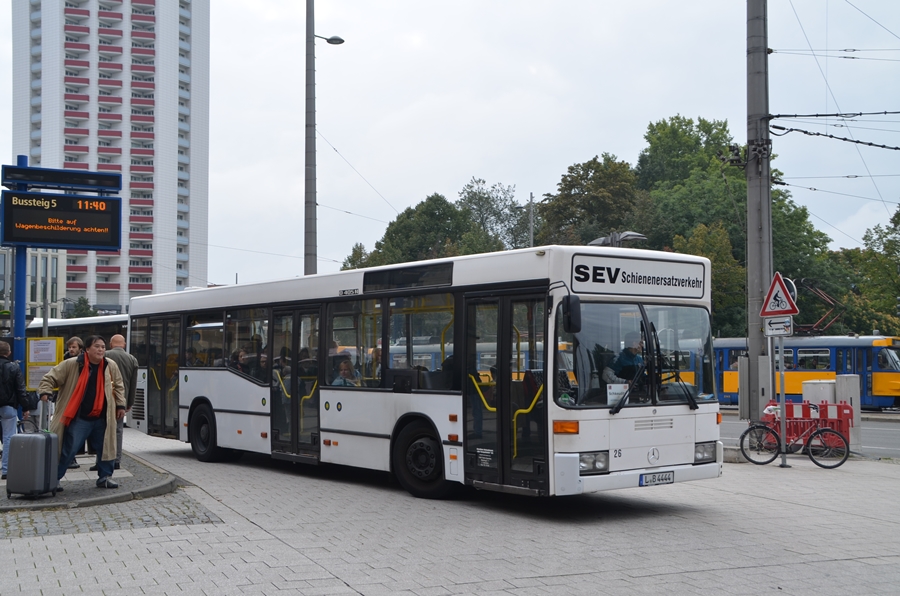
(759, 199)
(531, 216)
(310, 240)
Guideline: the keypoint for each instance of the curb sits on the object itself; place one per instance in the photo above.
(168, 485)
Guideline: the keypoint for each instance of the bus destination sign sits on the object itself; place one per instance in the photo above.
(46, 220)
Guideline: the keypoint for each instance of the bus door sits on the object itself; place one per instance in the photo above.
(505, 414)
(162, 377)
(295, 386)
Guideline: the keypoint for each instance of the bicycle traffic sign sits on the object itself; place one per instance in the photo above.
(778, 301)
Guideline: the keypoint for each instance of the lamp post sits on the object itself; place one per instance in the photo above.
(310, 251)
(616, 239)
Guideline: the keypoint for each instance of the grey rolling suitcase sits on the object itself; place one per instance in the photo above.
(33, 463)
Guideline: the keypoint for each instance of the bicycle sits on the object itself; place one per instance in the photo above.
(826, 447)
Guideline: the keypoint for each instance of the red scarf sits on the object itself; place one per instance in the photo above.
(78, 394)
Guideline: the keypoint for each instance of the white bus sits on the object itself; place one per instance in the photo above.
(461, 395)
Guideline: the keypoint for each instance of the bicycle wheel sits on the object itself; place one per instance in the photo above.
(827, 448)
(759, 444)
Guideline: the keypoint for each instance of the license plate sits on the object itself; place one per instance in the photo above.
(658, 478)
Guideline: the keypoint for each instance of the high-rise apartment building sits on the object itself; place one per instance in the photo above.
(121, 86)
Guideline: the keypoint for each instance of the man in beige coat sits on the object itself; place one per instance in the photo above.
(91, 398)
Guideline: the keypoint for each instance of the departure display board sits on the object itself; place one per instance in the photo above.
(46, 220)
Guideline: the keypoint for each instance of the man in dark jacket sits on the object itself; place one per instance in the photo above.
(12, 395)
(128, 366)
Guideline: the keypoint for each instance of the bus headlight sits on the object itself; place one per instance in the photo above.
(593, 463)
(704, 453)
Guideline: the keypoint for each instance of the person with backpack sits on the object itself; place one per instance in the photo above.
(12, 395)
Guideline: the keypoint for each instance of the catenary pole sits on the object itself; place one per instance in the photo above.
(310, 240)
(759, 200)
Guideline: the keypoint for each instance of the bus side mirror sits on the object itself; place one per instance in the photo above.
(571, 313)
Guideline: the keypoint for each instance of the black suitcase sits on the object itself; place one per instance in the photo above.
(33, 463)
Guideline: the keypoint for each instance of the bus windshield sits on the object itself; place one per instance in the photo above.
(632, 355)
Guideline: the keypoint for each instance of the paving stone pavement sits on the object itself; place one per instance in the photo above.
(258, 526)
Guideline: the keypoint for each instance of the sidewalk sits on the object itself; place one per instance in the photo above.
(137, 478)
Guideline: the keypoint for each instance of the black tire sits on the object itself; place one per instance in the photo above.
(418, 461)
(759, 444)
(204, 436)
(827, 448)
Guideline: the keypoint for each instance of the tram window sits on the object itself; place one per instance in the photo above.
(245, 339)
(354, 332)
(888, 359)
(734, 355)
(788, 360)
(813, 359)
(203, 340)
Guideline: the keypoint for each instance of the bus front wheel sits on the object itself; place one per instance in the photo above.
(203, 434)
(419, 462)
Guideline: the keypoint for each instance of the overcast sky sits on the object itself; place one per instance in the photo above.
(425, 95)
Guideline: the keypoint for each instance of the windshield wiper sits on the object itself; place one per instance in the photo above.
(676, 373)
(615, 409)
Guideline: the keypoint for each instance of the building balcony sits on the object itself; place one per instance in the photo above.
(76, 252)
(141, 135)
(143, 51)
(184, 176)
(140, 287)
(108, 269)
(76, 30)
(144, 3)
(77, 81)
(183, 257)
(141, 185)
(143, 18)
(184, 126)
(108, 16)
(139, 118)
(140, 235)
(107, 285)
(76, 285)
(142, 169)
(109, 117)
(36, 118)
(110, 134)
(137, 151)
(73, 64)
(109, 83)
(182, 208)
(74, 46)
(140, 202)
(181, 273)
(76, 132)
(184, 77)
(109, 33)
(143, 85)
(109, 100)
(109, 50)
(137, 34)
(75, 149)
(75, 165)
(140, 270)
(184, 142)
(183, 45)
(76, 115)
(77, 97)
(141, 101)
(109, 167)
(184, 191)
(182, 240)
(109, 253)
(145, 68)
(113, 67)
(182, 224)
(109, 150)
(76, 268)
(140, 219)
(36, 152)
(76, 12)
(141, 252)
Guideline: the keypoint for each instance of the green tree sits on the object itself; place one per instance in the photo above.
(676, 147)
(83, 309)
(495, 212)
(592, 199)
(357, 258)
(729, 277)
(881, 269)
(429, 230)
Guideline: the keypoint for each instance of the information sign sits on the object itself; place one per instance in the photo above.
(45, 220)
(779, 326)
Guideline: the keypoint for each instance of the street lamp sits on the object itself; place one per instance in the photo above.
(616, 239)
(310, 255)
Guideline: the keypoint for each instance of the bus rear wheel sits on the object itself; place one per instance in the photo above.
(203, 435)
(418, 462)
